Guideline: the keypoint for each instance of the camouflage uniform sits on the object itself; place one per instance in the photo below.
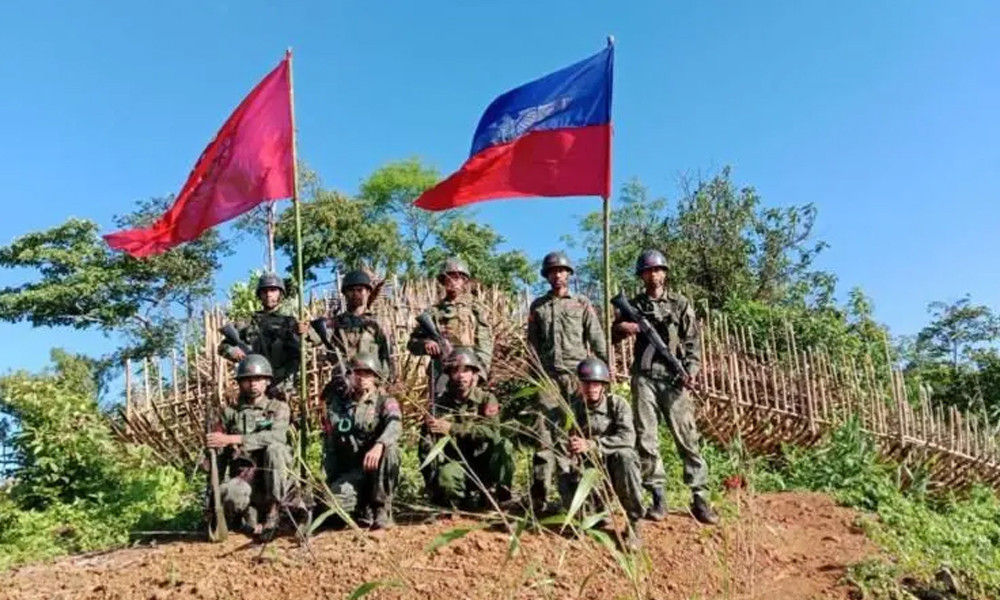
(353, 427)
(560, 329)
(610, 425)
(462, 322)
(654, 387)
(475, 430)
(275, 336)
(263, 425)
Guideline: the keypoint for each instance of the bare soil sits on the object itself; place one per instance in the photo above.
(792, 546)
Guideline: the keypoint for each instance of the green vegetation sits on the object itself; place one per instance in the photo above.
(75, 488)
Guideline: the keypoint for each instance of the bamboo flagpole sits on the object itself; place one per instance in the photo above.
(303, 420)
(607, 244)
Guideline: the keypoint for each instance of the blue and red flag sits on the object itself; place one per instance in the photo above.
(549, 137)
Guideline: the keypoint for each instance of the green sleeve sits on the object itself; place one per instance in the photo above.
(484, 340)
(688, 332)
(621, 434)
(277, 433)
(594, 333)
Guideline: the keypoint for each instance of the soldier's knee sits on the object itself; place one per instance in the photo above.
(624, 458)
(235, 495)
(451, 479)
(275, 454)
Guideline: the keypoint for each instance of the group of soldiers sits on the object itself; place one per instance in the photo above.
(362, 425)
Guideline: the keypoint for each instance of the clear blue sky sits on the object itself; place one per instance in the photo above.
(884, 114)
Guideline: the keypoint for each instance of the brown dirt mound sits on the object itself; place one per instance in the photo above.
(792, 546)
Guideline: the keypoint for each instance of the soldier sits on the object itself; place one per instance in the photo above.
(271, 334)
(361, 452)
(563, 329)
(459, 319)
(471, 416)
(355, 330)
(256, 452)
(654, 386)
(604, 428)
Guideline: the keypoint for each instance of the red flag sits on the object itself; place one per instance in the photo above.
(248, 162)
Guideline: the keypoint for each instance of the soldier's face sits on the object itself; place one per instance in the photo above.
(558, 278)
(464, 378)
(592, 391)
(454, 283)
(270, 297)
(254, 386)
(654, 277)
(357, 295)
(364, 381)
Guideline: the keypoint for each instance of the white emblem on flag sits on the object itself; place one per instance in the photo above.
(511, 127)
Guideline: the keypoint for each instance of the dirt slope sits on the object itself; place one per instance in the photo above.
(779, 546)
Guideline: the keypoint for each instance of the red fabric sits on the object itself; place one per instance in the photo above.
(557, 162)
(248, 162)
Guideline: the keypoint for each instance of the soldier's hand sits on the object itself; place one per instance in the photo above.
(239, 354)
(578, 445)
(217, 439)
(303, 327)
(431, 348)
(440, 426)
(373, 457)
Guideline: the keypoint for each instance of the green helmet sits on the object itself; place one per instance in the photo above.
(270, 280)
(593, 369)
(355, 278)
(463, 357)
(453, 265)
(555, 259)
(650, 259)
(364, 361)
(254, 365)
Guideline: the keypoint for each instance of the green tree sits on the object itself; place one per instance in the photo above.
(721, 244)
(83, 284)
(478, 245)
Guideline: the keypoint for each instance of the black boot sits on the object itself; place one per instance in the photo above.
(383, 517)
(658, 511)
(702, 511)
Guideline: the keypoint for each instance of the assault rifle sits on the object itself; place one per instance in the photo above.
(319, 326)
(431, 331)
(629, 313)
(218, 531)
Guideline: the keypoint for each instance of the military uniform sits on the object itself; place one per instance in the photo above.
(275, 336)
(463, 323)
(263, 426)
(475, 430)
(360, 334)
(353, 426)
(610, 426)
(561, 330)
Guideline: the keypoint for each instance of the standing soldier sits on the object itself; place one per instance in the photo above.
(471, 416)
(459, 319)
(655, 386)
(604, 429)
(355, 330)
(271, 334)
(361, 457)
(255, 452)
(563, 329)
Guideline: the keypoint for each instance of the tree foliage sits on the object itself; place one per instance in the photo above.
(83, 284)
(720, 242)
(382, 230)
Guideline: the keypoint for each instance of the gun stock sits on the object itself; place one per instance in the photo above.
(319, 326)
(233, 337)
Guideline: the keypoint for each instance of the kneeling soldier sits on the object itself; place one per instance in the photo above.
(256, 454)
(361, 448)
(471, 416)
(604, 429)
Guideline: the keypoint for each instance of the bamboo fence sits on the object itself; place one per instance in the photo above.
(746, 390)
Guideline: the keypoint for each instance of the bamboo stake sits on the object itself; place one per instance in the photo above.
(128, 390)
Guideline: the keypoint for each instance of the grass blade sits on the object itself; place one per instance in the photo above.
(435, 451)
